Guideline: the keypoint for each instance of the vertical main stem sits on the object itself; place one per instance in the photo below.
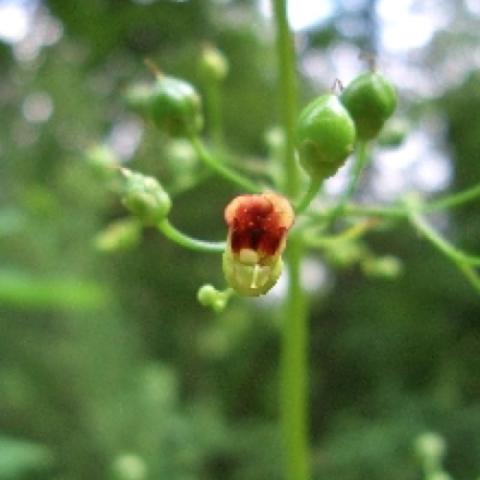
(288, 93)
(295, 369)
(294, 397)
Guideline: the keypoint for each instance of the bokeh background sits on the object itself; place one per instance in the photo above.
(109, 368)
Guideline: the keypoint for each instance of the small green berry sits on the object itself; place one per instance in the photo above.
(213, 64)
(325, 136)
(371, 99)
(176, 107)
(119, 235)
(145, 198)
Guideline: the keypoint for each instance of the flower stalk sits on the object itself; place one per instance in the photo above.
(294, 362)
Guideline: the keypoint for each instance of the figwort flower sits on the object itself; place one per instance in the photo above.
(257, 230)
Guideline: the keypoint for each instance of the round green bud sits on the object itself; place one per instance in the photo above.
(209, 296)
(145, 198)
(129, 466)
(102, 161)
(176, 107)
(393, 135)
(213, 64)
(139, 97)
(431, 446)
(387, 267)
(325, 136)
(206, 295)
(119, 235)
(346, 253)
(371, 99)
(440, 476)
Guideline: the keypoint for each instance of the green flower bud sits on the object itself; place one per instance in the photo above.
(182, 162)
(129, 466)
(102, 161)
(176, 107)
(345, 253)
(206, 295)
(217, 300)
(430, 446)
(325, 136)
(139, 97)
(119, 235)
(439, 476)
(145, 198)
(388, 267)
(213, 64)
(393, 135)
(371, 99)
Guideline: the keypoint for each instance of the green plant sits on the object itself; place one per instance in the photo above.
(326, 125)
(371, 99)
(325, 136)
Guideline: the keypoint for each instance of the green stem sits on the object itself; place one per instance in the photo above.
(450, 201)
(440, 243)
(463, 261)
(288, 94)
(223, 170)
(471, 275)
(309, 195)
(352, 233)
(374, 211)
(354, 210)
(455, 199)
(188, 242)
(295, 369)
(214, 110)
(361, 159)
(294, 398)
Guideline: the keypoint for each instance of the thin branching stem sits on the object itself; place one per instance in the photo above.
(361, 159)
(440, 243)
(352, 233)
(186, 241)
(244, 183)
(463, 261)
(309, 195)
(455, 199)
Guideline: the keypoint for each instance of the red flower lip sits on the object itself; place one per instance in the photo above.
(258, 225)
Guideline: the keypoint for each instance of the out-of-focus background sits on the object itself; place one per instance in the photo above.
(109, 368)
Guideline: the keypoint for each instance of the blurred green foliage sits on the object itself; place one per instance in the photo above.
(110, 369)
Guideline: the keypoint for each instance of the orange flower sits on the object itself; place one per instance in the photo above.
(257, 230)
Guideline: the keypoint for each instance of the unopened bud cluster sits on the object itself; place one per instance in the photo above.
(329, 126)
(145, 197)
